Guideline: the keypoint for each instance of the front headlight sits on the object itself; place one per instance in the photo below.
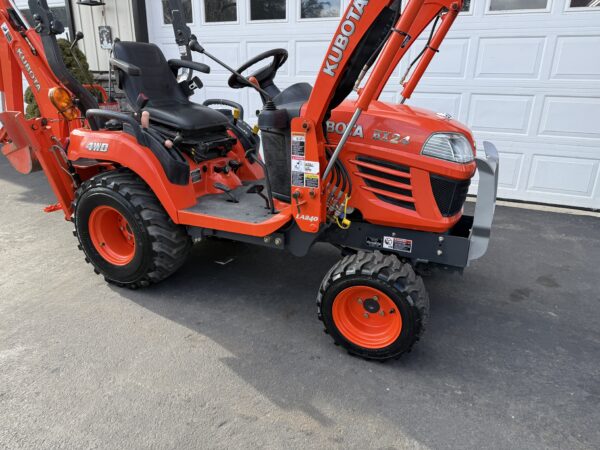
(453, 147)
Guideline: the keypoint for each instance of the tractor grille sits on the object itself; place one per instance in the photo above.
(450, 195)
(388, 181)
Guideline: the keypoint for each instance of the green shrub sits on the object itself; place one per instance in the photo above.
(82, 74)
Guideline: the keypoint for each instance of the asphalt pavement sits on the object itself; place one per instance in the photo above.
(233, 356)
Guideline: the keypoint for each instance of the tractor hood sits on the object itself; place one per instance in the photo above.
(383, 122)
(394, 131)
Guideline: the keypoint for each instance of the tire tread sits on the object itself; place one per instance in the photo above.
(389, 269)
(170, 242)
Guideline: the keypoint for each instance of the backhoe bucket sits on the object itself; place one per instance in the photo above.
(18, 146)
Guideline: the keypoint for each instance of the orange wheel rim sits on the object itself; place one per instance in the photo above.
(367, 317)
(112, 236)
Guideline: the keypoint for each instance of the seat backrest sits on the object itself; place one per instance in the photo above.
(157, 81)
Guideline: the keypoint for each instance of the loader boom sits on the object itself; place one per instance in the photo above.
(373, 35)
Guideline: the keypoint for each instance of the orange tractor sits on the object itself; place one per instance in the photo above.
(385, 183)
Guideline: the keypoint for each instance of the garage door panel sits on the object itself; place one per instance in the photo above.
(512, 165)
(501, 57)
(228, 52)
(577, 58)
(571, 176)
(451, 62)
(254, 104)
(439, 102)
(571, 116)
(170, 50)
(500, 113)
(309, 57)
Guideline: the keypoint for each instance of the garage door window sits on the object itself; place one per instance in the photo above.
(220, 11)
(320, 9)
(584, 4)
(187, 12)
(517, 5)
(268, 10)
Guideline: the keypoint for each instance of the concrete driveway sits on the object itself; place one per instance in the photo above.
(232, 356)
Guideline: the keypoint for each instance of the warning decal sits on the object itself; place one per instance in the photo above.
(6, 32)
(298, 145)
(397, 244)
(298, 179)
(311, 167)
(311, 181)
(304, 173)
(298, 149)
(298, 165)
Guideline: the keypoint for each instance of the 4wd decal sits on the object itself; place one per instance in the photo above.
(100, 147)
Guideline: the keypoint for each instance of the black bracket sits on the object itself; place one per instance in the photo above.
(91, 2)
(407, 37)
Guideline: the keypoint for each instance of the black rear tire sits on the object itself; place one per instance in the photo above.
(396, 281)
(161, 246)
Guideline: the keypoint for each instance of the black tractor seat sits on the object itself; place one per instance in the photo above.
(167, 103)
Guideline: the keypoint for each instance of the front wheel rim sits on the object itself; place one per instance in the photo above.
(112, 235)
(367, 317)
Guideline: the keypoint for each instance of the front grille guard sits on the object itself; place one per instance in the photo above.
(486, 202)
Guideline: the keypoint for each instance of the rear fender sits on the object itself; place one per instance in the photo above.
(123, 149)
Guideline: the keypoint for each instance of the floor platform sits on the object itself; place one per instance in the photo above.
(249, 215)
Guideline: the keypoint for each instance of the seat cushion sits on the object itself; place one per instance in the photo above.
(187, 117)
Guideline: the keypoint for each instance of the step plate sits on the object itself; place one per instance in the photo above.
(250, 216)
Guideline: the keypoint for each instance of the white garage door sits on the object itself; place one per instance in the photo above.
(524, 74)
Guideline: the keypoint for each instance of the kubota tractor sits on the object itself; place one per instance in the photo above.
(385, 183)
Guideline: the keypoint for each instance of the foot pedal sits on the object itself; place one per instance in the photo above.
(258, 190)
(226, 190)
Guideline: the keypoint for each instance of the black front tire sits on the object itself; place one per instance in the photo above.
(161, 246)
(396, 281)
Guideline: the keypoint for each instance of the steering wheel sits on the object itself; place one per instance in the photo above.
(265, 75)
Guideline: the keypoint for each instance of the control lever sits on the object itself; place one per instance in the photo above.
(195, 46)
(296, 196)
(222, 169)
(235, 165)
(141, 101)
(178, 139)
(253, 158)
(78, 36)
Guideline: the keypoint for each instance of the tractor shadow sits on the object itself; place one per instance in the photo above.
(35, 187)
(494, 349)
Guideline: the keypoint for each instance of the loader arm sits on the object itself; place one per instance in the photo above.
(373, 35)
